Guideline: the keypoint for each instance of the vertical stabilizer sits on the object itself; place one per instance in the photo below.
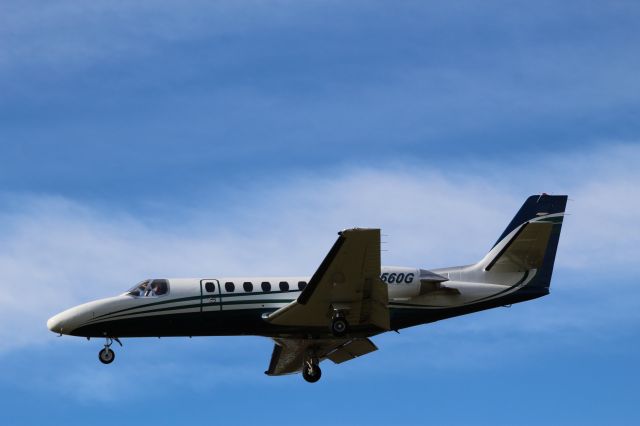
(530, 241)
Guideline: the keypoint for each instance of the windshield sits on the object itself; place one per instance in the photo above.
(150, 288)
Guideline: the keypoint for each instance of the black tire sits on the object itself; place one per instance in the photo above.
(312, 374)
(339, 327)
(106, 356)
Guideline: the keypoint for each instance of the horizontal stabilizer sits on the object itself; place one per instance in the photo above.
(428, 276)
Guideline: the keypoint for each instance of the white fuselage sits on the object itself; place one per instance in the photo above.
(236, 298)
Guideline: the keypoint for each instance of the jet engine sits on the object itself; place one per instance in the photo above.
(405, 283)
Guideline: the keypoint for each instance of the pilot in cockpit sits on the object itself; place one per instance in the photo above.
(159, 287)
(149, 288)
(139, 289)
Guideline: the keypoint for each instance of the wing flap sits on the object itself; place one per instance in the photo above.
(289, 354)
(352, 349)
(287, 357)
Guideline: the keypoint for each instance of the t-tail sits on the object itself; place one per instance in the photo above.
(528, 245)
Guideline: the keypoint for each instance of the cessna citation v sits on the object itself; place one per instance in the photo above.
(332, 314)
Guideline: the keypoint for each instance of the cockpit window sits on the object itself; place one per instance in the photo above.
(150, 288)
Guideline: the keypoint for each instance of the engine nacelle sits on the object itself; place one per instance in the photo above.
(403, 283)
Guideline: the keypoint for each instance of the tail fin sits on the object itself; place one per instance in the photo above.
(535, 206)
(531, 239)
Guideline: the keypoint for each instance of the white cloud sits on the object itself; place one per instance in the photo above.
(57, 252)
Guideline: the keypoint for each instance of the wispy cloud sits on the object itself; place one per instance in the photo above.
(57, 252)
(446, 54)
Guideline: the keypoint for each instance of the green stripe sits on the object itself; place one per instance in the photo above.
(164, 302)
(240, 302)
(174, 308)
(185, 299)
(554, 220)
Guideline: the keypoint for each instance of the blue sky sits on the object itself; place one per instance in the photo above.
(222, 138)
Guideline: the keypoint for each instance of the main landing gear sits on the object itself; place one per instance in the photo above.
(311, 370)
(339, 325)
(106, 355)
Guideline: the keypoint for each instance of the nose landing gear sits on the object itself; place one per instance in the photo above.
(107, 355)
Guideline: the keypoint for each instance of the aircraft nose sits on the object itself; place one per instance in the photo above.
(56, 323)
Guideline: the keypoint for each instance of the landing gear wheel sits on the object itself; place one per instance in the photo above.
(339, 326)
(106, 356)
(311, 373)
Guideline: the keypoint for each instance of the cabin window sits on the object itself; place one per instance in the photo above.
(230, 287)
(284, 286)
(302, 285)
(266, 286)
(150, 288)
(210, 287)
(247, 286)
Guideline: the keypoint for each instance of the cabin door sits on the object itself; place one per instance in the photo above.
(210, 296)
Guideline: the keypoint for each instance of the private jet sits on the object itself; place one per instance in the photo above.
(334, 313)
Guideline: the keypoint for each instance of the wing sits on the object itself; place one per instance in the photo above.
(348, 280)
(289, 354)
